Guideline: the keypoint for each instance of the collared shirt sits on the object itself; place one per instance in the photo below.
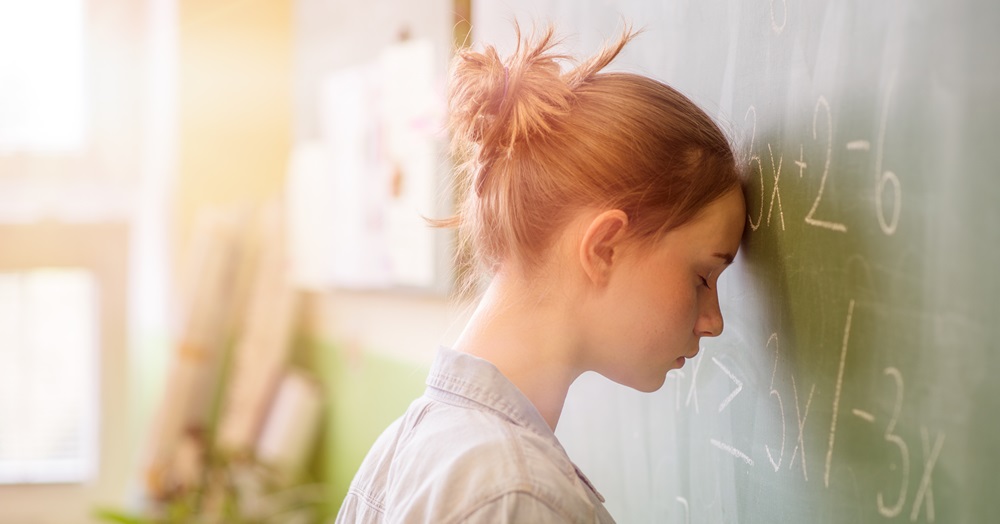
(473, 448)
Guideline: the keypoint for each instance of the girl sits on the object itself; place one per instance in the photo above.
(604, 206)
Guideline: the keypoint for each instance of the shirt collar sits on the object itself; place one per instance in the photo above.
(461, 377)
(479, 381)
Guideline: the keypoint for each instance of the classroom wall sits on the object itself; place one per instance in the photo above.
(234, 104)
(247, 80)
(239, 107)
(374, 346)
(372, 351)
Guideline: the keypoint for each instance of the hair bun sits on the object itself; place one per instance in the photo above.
(494, 105)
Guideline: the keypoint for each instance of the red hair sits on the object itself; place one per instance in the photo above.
(539, 144)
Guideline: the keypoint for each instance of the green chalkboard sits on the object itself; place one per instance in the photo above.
(857, 378)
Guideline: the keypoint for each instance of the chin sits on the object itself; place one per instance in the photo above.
(647, 380)
(647, 384)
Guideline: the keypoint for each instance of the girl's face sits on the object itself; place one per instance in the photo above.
(660, 303)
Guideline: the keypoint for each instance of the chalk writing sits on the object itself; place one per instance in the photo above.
(810, 218)
(687, 510)
(801, 417)
(925, 491)
(776, 464)
(881, 177)
(738, 382)
(836, 393)
(801, 162)
(692, 391)
(760, 168)
(732, 451)
(775, 26)
(679, 376)
(904, 453)
(863, 415)
(775, 194)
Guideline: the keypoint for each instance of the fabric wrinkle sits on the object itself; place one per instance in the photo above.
(473, 448)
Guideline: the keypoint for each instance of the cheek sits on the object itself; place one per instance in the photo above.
(680, 297)
(658, 303)
(673, 311)
(683, 310)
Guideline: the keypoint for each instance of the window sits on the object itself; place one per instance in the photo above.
(42, 84)
(48, 376)
(86, 155)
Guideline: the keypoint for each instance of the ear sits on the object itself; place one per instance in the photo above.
(601, 243)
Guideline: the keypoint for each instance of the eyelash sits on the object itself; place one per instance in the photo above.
(704, 282)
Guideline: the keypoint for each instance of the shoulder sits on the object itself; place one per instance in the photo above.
(448, 463)
(462, 462)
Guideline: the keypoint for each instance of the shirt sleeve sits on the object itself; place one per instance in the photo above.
(356, 508)
(516, 507)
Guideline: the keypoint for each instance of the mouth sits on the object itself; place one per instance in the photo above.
(680, 360)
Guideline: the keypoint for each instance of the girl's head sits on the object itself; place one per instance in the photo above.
(539, 145)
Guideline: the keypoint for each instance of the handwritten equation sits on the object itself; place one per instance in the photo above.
(790, 453)
(886, 182)
(790, 450)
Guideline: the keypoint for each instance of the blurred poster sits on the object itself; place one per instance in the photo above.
(407, 109)
(372, 176)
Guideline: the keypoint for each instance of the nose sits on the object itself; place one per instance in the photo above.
(709, 323)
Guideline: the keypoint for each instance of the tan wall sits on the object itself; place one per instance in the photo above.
(234, 104)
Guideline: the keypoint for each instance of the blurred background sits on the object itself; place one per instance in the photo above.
(212, 250)
(217, 286)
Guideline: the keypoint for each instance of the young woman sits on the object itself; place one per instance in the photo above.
(604, 206)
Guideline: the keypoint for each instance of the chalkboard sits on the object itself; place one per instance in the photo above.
(856, 380)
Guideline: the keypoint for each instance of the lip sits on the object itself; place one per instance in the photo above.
(684, 358)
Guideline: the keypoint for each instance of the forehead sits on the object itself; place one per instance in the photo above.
(717, 229)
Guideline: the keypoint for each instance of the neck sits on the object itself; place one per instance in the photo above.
(529, 335)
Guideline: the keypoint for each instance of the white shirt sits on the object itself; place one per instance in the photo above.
(473, 448)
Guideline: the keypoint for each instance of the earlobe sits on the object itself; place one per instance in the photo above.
(601, 243)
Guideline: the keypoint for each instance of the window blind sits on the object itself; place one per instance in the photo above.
(49, 338)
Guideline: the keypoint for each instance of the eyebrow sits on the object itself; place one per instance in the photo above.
(726, 257)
